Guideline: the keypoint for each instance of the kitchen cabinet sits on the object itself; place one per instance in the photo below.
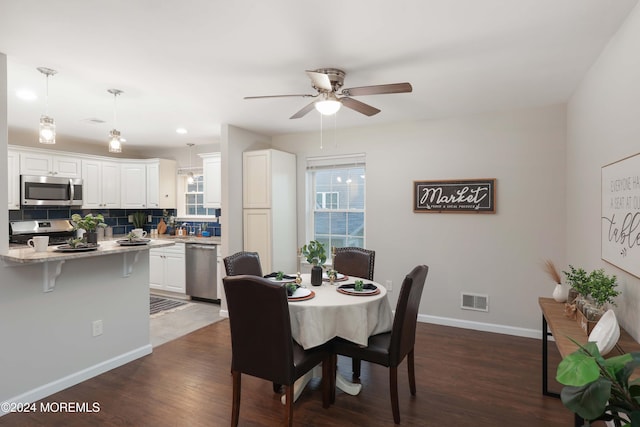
(13, 168)
(161, 184)
(212, 174)
(133, 185)
(32, 163)
(269, 214)
(167, 268)
(101, 184)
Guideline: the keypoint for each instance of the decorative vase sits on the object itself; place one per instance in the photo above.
(559, 293)
(92, 237)
(316, 275)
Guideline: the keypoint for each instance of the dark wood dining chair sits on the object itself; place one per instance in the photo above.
(264, 348)
(354, 261)
(390, 349)
(358, 262)
(243, 263)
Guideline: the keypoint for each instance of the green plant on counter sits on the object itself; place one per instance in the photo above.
(602, 288)
(599, 388)
(314, 253)
(139, 219)
(89, 223)
(578, 280)
(76, 242)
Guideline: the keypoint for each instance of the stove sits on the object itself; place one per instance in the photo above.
(58, 230)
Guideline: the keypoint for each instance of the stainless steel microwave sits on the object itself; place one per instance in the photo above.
(50, 191)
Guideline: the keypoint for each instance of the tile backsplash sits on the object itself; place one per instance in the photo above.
(118, 219)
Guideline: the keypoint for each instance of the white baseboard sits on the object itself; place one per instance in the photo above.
(480, 326)
(224, 313)
(78, 377)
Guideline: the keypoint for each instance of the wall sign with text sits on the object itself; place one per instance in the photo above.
(620, 217)
(462, 196)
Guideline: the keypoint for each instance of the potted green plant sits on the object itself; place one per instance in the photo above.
(602, 288)
(139, 219)
(89, 223)
(315, 254)
(599, 388)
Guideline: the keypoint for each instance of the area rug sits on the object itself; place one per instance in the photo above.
(159, 306)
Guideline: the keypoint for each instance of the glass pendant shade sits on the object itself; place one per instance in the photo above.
(190, 178)
(47, 130)
(114, 142)
(329, 105)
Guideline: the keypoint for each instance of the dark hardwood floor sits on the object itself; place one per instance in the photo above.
(464, 378)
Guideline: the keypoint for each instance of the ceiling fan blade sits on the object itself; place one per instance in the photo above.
(304, 111)
(280, 96)
(378, 89)
(320, 80)
(360, 107)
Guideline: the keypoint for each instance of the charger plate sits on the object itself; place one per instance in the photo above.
(302, 294)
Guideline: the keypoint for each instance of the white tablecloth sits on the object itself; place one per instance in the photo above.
(332, 314)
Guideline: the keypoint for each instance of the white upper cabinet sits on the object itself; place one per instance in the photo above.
(212, 175)
(133, 188)
(50, 165)
(256, 182)
(101, 184)
(161, 184)
(13, 167)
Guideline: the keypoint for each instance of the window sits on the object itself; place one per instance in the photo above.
(336, 194)
(193, 199)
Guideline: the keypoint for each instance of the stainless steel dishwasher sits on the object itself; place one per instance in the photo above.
(202, 271)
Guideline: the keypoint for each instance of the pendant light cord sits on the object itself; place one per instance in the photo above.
(46, 97)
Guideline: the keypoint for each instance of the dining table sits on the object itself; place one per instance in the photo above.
(329, 311)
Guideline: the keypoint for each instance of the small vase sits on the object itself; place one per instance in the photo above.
(316, 275)
(559, 293)
(92, 237)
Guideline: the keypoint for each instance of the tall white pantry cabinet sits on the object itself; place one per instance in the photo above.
(269, 208)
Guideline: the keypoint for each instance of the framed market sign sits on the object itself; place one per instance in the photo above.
(460, 196)
(620, 218)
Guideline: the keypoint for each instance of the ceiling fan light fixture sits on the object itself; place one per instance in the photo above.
(328, 105)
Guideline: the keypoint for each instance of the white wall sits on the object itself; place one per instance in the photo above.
(501, 254)
(603, 126)
(4, 213)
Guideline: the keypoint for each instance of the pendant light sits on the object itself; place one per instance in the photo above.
(115, 142)
(190, 177)
(47, 125)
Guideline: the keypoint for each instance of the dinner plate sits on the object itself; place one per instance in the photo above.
(339, 277)
(136, 242)
(349, 290)
(273, 279)
(302, 294)
(606, 332)
(68, 248)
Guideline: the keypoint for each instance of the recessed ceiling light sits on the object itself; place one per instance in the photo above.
(26, 94)
(181, 131)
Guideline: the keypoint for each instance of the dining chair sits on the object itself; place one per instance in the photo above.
(243, 263)
(264, 348)
(354, 261)
(358, 262)
(389, 349)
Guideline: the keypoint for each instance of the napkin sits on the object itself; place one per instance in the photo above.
(276, 275)
(290, 288)
(369, 286)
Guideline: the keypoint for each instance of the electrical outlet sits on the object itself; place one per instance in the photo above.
(97, 327)
(389, 285)
(149, 218)
(130, 219)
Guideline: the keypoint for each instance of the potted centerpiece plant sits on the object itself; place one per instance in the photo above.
(139, 219)
(89, 223)
(315, 254)
(598, 388)
(595, 290)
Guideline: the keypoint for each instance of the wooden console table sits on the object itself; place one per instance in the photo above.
(555, 323)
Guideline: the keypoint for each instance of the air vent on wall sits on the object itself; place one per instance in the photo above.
(476, 302)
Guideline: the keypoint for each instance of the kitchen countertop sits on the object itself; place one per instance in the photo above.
(27, 255)
(215, 240)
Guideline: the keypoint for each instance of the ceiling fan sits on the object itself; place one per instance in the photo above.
(328, 84)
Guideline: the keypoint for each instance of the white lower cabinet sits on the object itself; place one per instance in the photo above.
(167, 268)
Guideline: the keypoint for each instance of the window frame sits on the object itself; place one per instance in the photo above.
(315, 164)
(181, 214)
